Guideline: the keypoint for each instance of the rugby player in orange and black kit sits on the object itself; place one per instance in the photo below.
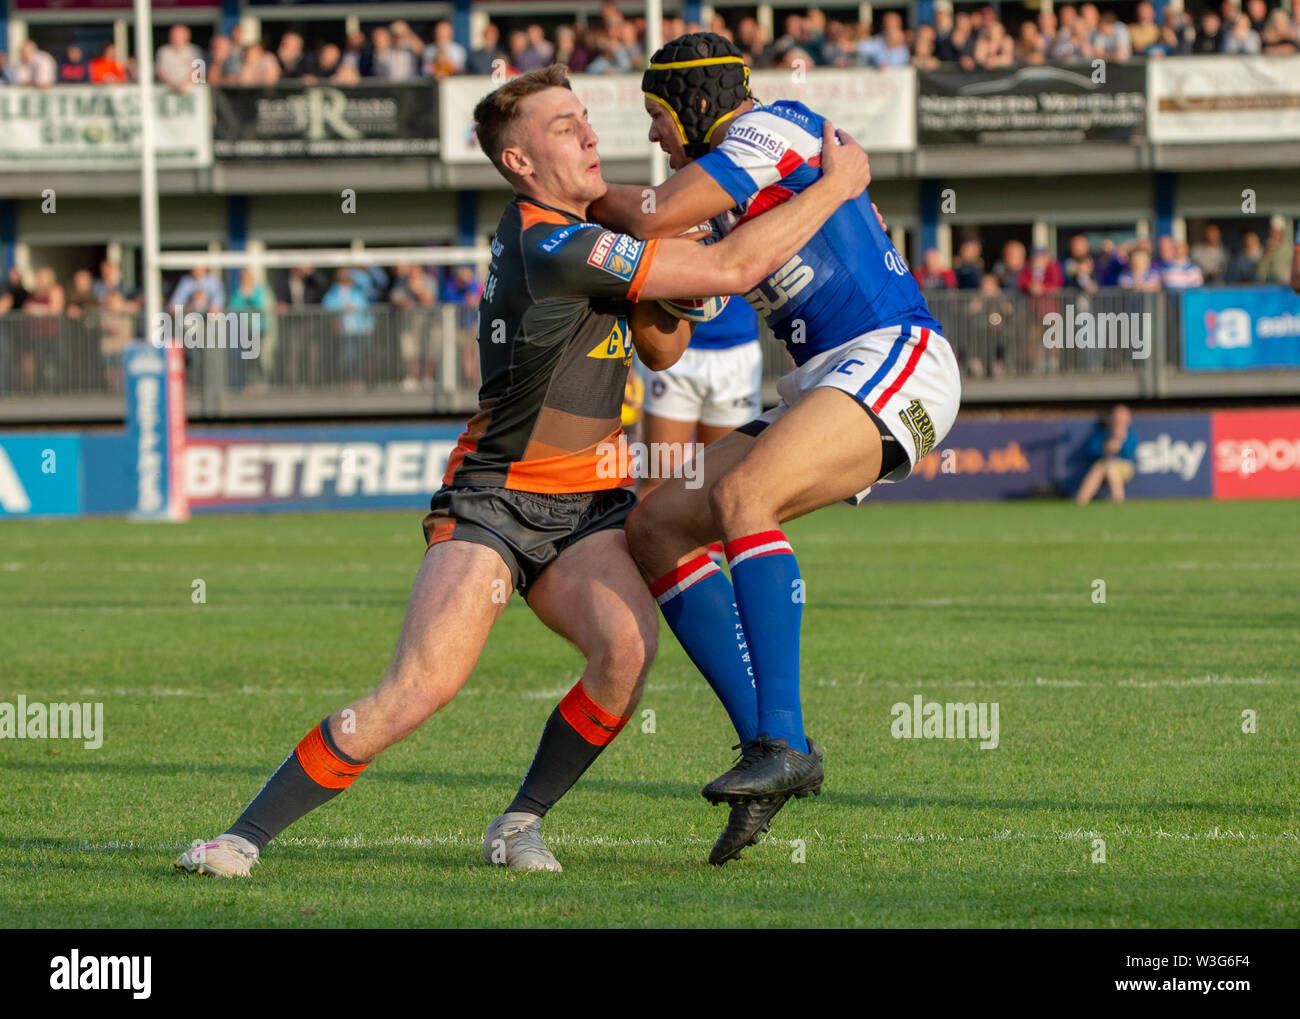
(534, 495)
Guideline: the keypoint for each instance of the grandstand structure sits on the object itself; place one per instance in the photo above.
(364, 173)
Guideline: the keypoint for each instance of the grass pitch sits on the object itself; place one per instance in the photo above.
(1120, 722)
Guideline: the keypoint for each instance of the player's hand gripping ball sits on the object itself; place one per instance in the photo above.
(696, 309)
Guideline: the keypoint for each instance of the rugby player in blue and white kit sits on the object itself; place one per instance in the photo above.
(875, 388)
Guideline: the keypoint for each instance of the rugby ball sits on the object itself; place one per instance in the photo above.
(695, 309)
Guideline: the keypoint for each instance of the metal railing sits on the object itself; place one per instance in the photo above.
(383, 359)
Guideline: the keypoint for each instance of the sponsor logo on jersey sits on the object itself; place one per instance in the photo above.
(918, 422)
(754, 137)
(781, 287)
(553, 241)
(616, 254)
(617, 345)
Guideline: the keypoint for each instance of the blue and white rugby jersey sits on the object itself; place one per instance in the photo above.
(848, 280)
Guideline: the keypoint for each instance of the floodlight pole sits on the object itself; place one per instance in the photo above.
(148, 165)
(654, 38)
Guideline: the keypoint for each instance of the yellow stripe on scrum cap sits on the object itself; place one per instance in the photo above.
(671, 112)
(702, 62)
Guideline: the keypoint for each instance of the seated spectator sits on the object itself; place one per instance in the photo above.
(1009, 266)
(1242, 38)
(1177, 270)
(392, 57)
(529, 50)
(35, 66)
(839, 50)
(1209, 34)
(1244, 264)
(959, 45)
(444, 56)
(326, 65)
(889, 48)
(1211, 255)
(969, 269)
(994, 48)
(1144, 32)
(567, 51)
(177, 63)
(218, 59)
(932, 274)
(1277, 35)
(75, 69)
(610, 59)
(480, 60)
(106, 69)
(923, 59)
(294, 63)
(1176, 34)
(1112, 449)
(1073, 46)
(1030, 45)
(1140, 275)
(1042, 275)
(260, 67)
(358, 58)
(1111, 40)
(199, 282)
(1258, 11)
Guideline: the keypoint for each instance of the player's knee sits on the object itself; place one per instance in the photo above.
(626, 654)
(729, 497)
(640, 528)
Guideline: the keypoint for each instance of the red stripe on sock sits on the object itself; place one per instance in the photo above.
(322, 765)
(676, 575)
(592, 722)
(905, 374)
(734, 548)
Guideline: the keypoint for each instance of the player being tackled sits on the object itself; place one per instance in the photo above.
(875, 388)
(527, 500)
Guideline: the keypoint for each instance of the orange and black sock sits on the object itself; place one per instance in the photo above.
(315, 772)
(575, 734)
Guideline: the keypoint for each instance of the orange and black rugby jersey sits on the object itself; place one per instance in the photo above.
(554, 350)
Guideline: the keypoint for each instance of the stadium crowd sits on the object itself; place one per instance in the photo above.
(975, 38)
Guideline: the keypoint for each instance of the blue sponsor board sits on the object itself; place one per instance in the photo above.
(980, 460)
(309, 468)
(1173, 456)
(40, 475)
(1233, 329)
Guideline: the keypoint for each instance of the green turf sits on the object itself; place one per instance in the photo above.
(1120, 722)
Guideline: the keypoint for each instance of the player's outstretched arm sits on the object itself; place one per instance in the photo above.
(738, 263)
(659, 337)
(687, 198)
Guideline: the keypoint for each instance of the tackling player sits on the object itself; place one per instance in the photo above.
(525, 500)
(875, 388)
